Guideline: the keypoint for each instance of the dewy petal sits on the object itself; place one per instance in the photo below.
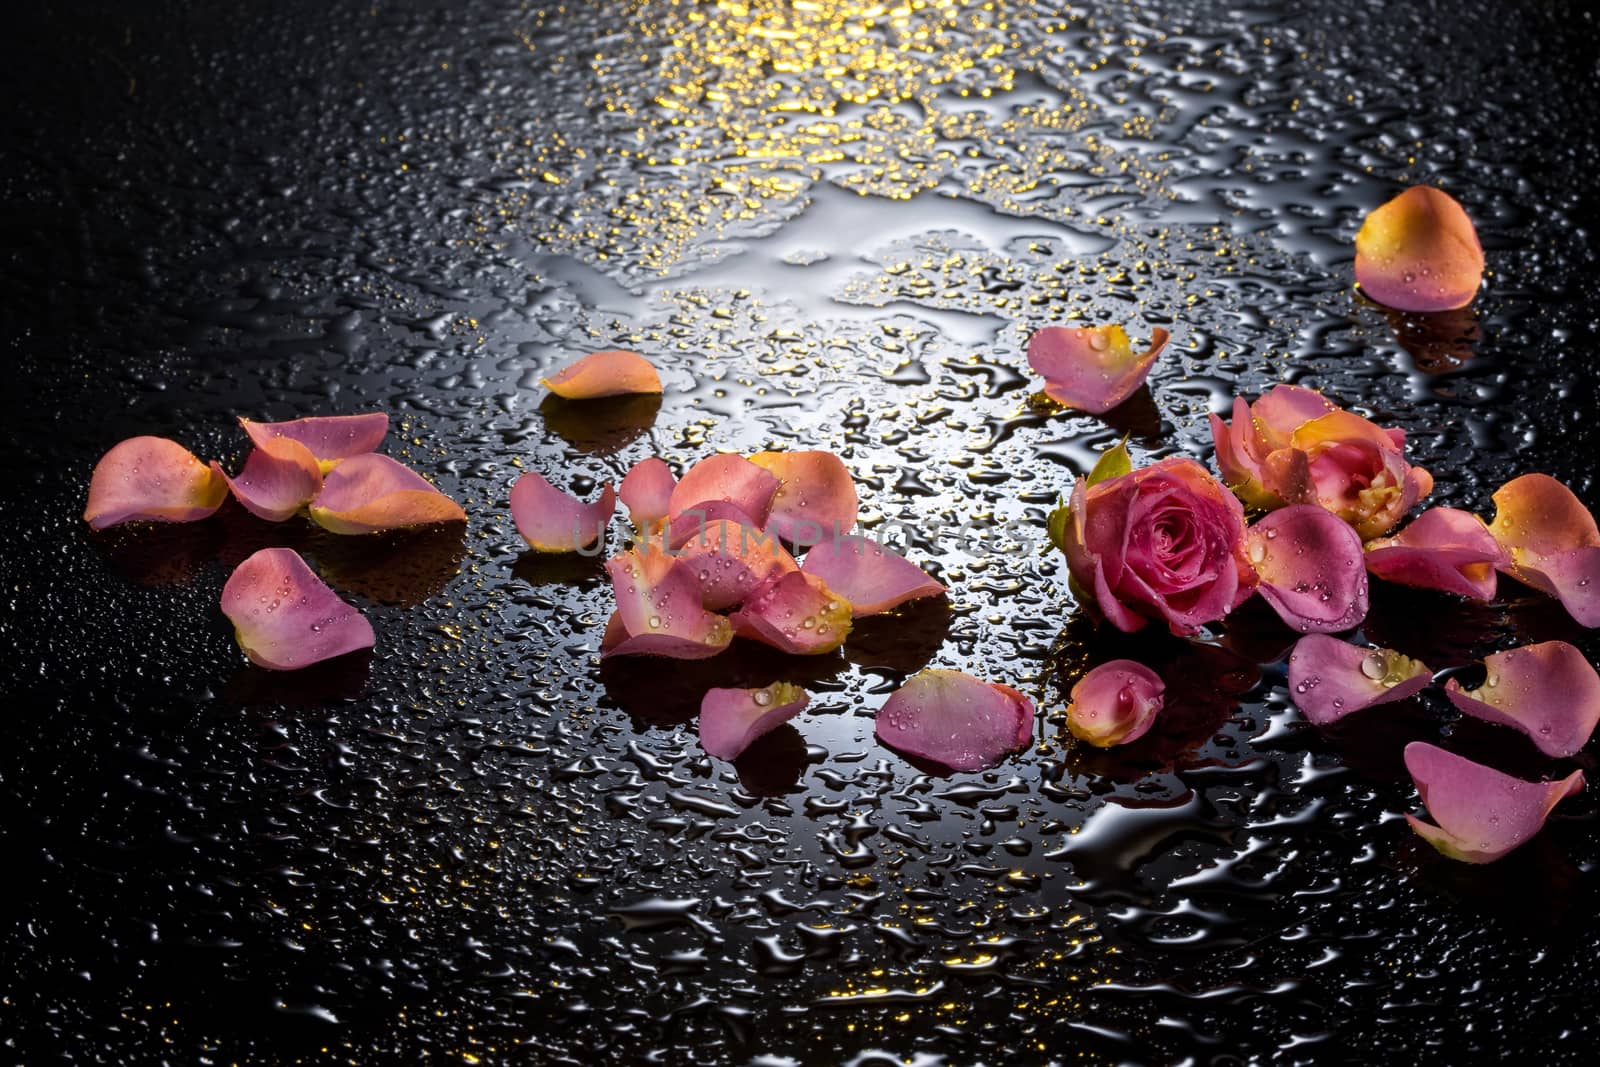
(816, 497)
(956, 720)
(1419, 252)
(1283, 409)
(731, 719)
(728, 479)
(284, 617)
(1310, 567)
(658, 603)
(796, 613)
(647, 491)
(553, 521)
(1482, 814)
(1551, 542)
(1091, 368)
(280, 477)
(1443, 548)
(1241, 453)
(152, 479)
(731, 560)
(1329, 678)
(602, 374)
(1548, 691)
(330, 438)
(370, 493)
(1115, 703)
(872, 578)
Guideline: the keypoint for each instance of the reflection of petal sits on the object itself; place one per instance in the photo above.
(1481, 813)
(160, 555)
(903, 642)
(1548, 691)
(330, 682)
(600, 427)
(1437, 343)
(403, 568)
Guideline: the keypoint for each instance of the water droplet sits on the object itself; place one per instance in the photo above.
(655, 622)
(762, 698)
(1375, 665)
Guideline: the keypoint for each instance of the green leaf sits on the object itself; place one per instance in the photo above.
(1113, 463)
(1056, 525)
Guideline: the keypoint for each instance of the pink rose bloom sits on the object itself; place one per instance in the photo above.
(1294, 446)
(1164, 542)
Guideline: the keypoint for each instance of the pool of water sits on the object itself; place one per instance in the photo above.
(831, 225)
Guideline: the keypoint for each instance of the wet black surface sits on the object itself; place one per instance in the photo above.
(832, 226)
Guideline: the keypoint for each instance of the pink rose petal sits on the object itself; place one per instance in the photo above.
(658, 605)
(284, 617)
(1115, 703)
(280, 477)
(1329, 678)
(795, 613)
(603, 374)
(872, 578)
(727, 478)
(1443, 548)
(816, 497)
(1551, 543)
(553, 521)
(693, 523)
(1283, 409)
(152, 479)
(371, 493)
(647, 491)
(1419, 252)
(731, 719)
(1309, 564)
(330, 438)
(1548, 691)
(731, 560)
(955, 720)
(1482, 814)
(1091, 368)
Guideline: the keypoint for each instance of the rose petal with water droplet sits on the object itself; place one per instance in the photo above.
(330, 438)
(553, 521)
(727, 479)
(955, 720)
(1115, 703)
(731, 560)
(1443, 548)
(152, 479)
(1310, 569)
(646, 490)
(658, 606)
(284, 617)
(1330, 678)
(602, 374)
(1549, 691)
(280, 477)
(371, 493)
(1551, 543)
(1481, 813)
(1091, 368)
(871, 577)
(1419, 252)
(815, 499)
(795, 613)
(731, 719)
